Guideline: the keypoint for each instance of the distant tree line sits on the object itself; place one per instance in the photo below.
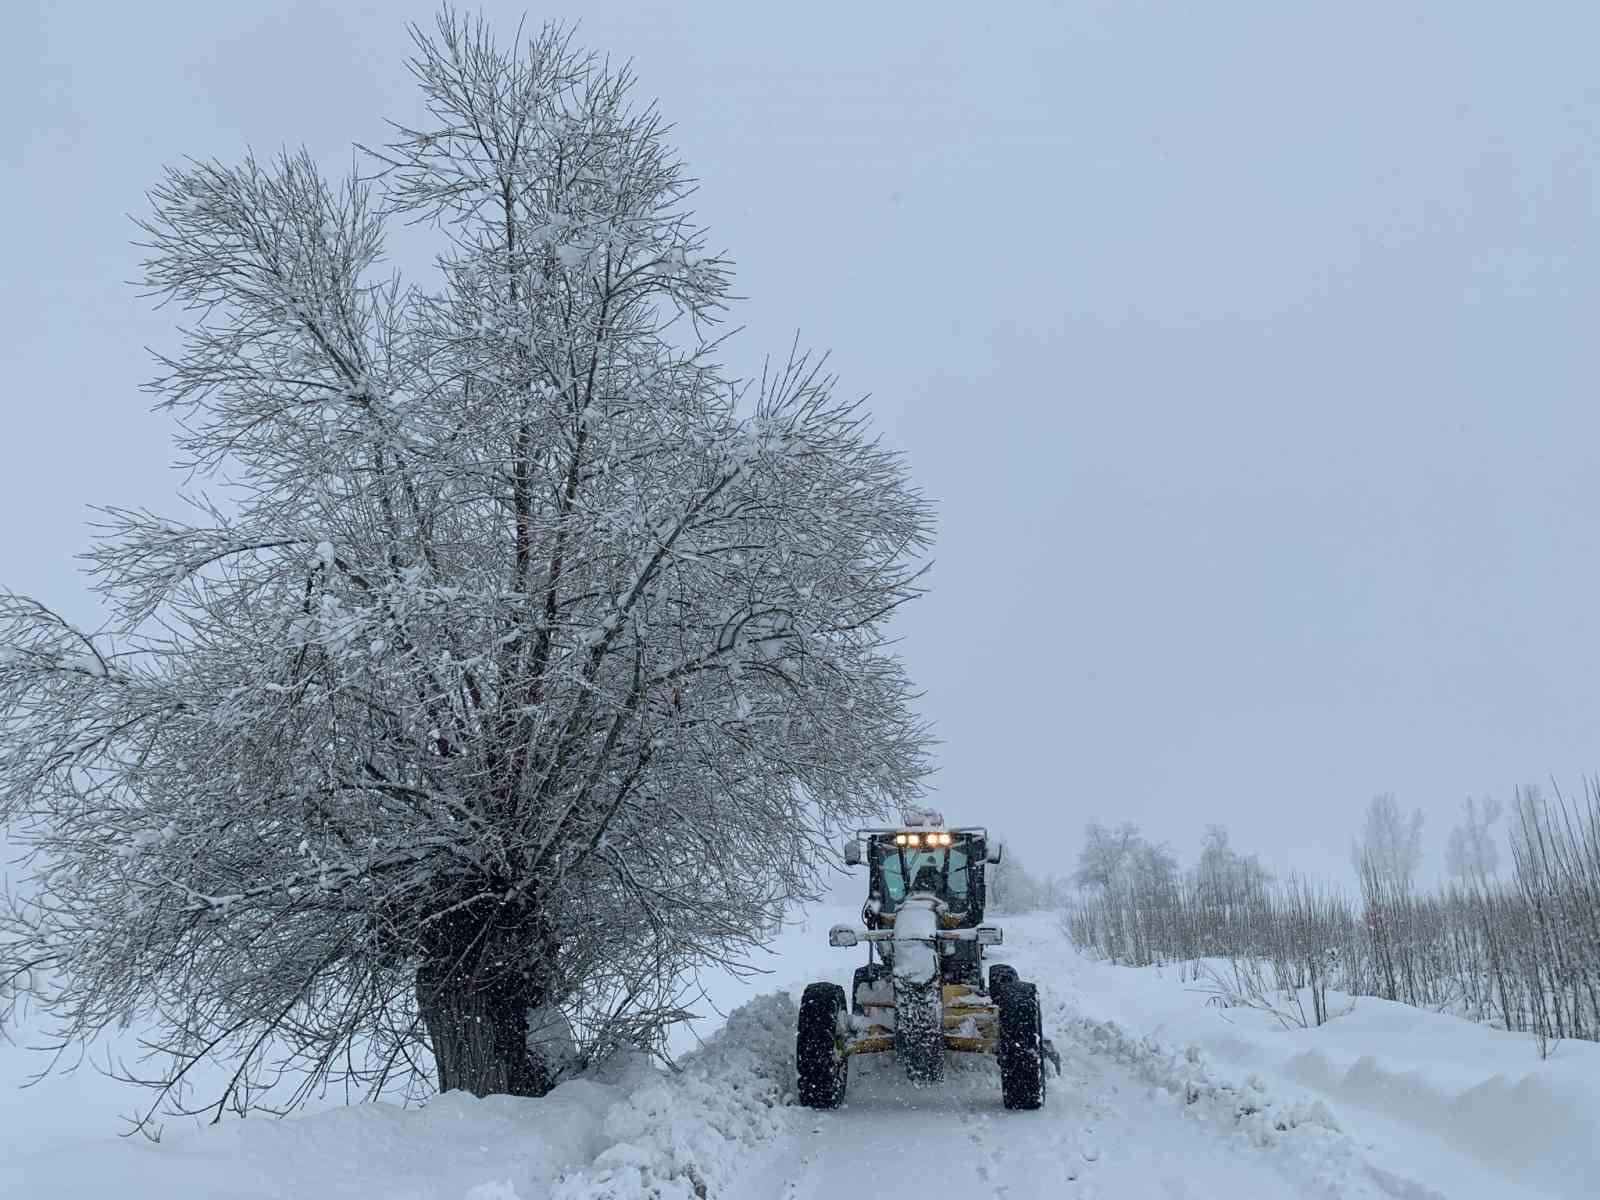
(1520, 952)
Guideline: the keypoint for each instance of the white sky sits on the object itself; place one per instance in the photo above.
(1243, 346)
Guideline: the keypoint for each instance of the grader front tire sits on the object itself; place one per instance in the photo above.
(1021, 1049)
(822, 1069)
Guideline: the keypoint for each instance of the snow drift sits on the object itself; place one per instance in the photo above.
(628, 1130)
(1424, 1092)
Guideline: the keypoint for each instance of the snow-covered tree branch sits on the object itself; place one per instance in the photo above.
(519, 658)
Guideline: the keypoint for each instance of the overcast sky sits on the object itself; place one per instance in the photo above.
(1247, 350)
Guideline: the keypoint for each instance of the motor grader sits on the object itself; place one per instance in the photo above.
(923, 991)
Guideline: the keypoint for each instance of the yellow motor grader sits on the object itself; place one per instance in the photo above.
(923, 990)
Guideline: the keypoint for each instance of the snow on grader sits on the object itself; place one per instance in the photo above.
(923, 990)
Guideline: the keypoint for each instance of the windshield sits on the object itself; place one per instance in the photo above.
(943, 872)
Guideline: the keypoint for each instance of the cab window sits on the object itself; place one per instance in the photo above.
(946, 872)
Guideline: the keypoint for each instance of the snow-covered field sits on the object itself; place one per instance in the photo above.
(1161, 1096)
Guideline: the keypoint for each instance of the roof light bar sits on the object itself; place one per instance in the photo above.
(924, 839)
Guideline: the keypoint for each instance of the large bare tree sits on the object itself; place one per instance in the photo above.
(517, 659)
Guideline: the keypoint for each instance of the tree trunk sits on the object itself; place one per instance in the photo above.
(476, 1005)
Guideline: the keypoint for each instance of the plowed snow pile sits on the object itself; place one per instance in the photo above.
(629, 1131)
(1161, 1096)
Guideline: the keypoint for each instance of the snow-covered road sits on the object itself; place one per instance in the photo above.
(1098, 1135)
(1130, 1117)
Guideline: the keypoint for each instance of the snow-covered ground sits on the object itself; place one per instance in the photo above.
(1161, 1096)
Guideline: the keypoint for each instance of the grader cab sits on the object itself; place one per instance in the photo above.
(923, 991)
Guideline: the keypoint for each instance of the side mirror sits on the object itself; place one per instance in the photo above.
(989, 935)
(852, 853)
(842, 935)
(997, 851)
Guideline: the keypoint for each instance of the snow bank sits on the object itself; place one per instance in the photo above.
(58, 1139)
(630, 1130)
(1298, 1137)
(1538, 1121)
(1402, 1079)
(458, 1145)
(696, 1133)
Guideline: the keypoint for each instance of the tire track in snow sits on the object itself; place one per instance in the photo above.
(1128, 1119)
